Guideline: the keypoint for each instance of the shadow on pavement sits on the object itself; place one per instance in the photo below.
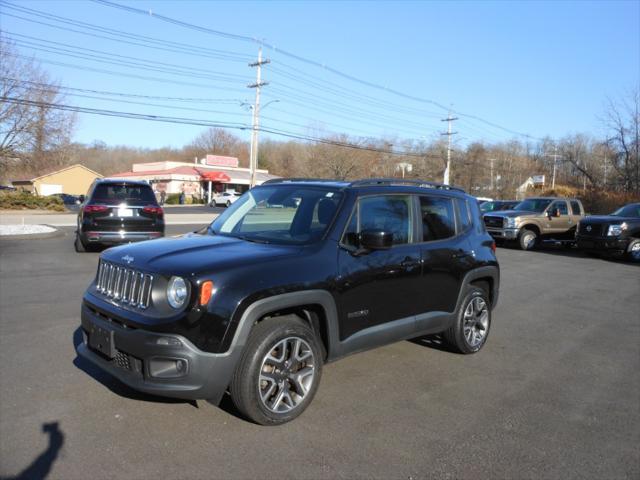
(114, 384)
(433, 341)
(41, 466)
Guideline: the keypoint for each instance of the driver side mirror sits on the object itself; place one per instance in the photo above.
(81, 199)
(375, 239)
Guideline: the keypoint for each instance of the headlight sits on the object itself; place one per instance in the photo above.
(510, 222)
(177, 292)
(616, 230)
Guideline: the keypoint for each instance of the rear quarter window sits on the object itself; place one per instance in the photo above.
(438, 219)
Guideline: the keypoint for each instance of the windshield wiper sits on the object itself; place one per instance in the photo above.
(252, 239)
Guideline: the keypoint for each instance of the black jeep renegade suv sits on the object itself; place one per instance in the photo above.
(294, 274)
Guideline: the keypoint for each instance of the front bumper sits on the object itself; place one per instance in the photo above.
(503, 233)
(122, 236)
(135, 354)
(608, 244)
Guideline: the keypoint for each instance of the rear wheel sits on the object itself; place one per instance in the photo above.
(471, 329)
(279, 372)
(528, 239)
(79, 244)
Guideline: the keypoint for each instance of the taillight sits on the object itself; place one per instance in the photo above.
(153, 211)
(95, 208)
(493, 247)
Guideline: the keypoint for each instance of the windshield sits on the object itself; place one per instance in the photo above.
(488, 207)
(116, 193)
(533, 205)
(632, 210)
(283, 214)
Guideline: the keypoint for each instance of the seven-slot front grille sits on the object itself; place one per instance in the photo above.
(494, 222)
(124, 285)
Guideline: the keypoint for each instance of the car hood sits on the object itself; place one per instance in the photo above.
(193, 253)
(600, 219)
(512, 213)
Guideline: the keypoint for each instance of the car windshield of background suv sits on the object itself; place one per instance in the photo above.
(291, 215)
(628, 211)
(116, 193)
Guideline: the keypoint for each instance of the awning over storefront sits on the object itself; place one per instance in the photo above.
(215, 177)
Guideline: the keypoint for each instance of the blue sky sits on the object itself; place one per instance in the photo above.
(540, 68)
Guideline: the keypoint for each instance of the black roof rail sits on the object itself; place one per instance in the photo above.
(401, 181)
(288, 179)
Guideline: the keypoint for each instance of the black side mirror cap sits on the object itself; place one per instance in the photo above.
(376, 239)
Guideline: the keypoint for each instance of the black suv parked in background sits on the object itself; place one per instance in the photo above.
(294, 274)
(616, 234)
(118, 211)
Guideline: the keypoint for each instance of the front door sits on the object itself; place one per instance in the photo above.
(382, 285)
(558, 224)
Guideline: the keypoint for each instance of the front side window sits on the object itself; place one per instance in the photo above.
(438, 219)
(387, 213)
(632, 210)
(562, 206)
(283, 214)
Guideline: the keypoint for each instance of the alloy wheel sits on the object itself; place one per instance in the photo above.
(476, 322)
(286, 375)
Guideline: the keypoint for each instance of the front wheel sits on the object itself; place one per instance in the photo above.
(279, 372)
(228, 203)
(633, 251)
(527, 239)
(470, 331)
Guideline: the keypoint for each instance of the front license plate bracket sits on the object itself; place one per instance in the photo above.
(101, 339)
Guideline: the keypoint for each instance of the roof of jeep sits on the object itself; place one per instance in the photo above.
(367, 182)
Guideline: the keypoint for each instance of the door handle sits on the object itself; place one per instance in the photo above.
(462, 254)
(409, 262)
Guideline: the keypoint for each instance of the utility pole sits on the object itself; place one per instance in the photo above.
(255, 124)
(491, 163)
(448, 133)
(605, 171)
(555, 162)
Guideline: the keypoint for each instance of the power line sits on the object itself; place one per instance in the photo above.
(184, 47)
(205, 123)
(122, 74)
(304, 60)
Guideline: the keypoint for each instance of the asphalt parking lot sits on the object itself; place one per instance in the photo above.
(554, 394)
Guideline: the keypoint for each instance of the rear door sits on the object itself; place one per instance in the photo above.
(118, 206)
(445, 251)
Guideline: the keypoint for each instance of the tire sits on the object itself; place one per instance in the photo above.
(528, 239)
(228, 203)
(260, 390)
(470, 331)
(79, 245)
(633, 251)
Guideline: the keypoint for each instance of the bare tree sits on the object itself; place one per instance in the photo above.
(218, 141)
(623, 120)
(30, 129)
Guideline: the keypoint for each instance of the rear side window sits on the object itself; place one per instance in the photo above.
(115, 193)
(438, 219)
(389, 213)
(464, 215)
(575, 207)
